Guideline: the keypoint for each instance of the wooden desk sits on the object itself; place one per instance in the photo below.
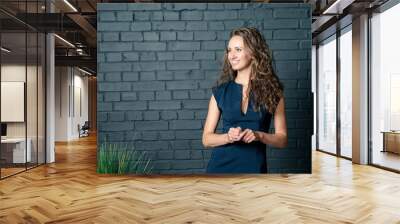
(16, 147)
(391, 141)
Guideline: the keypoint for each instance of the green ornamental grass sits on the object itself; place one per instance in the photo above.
(115, 158)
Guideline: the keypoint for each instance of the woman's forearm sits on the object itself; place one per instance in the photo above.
(276, 140)
(211, 140)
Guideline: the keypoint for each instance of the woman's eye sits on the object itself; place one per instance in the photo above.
(238, 50)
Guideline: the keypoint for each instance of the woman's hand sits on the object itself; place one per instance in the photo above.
(235, 134)
(250, 136)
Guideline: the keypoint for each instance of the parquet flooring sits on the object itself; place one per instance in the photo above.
(70, 191)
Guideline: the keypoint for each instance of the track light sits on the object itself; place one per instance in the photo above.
(5, 50)
(84, 71)
(65, 41)
(70, 5)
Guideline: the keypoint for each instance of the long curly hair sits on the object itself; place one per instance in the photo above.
(265, 87)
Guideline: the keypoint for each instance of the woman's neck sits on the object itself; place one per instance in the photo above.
(243, 77)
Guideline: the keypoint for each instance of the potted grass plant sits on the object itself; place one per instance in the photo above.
(117, 158)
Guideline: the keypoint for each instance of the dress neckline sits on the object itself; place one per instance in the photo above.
(241, 99)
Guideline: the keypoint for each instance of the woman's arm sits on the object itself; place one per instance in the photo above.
(279, 138)
(210, 139)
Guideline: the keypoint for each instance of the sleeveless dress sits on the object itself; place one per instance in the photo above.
(238, 157)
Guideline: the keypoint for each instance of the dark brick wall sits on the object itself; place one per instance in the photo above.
(157, 63)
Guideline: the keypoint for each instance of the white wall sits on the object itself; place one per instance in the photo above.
(71, 93)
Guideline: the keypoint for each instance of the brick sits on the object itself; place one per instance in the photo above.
(305, 44)
(179, 85)
(167, 35)
(290, 34)
(116, 126)
(192, 15)
(151, 115)
(162, 165)
(179, 95)
(185, 35)
(140, 26)
(208, 64)
(180, 144)
(177, 65)
(200, 115)
(283, 44)
(213, 45)
(147, 76)
(144, 6)
(114, 86)
(111, 26)
(149, 66)
(262, 14)
(191, 75)
(185, 124)
(163, 95)
(141, 16)
(195, 104)
(104, 106)
(220, 15)
(114, 57)
(151, 125)
(164, 56)
(111, 7)
(102, 116)
(125, 106)
(171, 15)
(168, 115)
(124, 16)
(205, 35)
(185, 115)
(183, 55)
(113, 77)
(106, 16)
(146, 95)
(114, 67)
(165, 105)
(147, 56)
(305, 23)
(112, 96)
(196, 26)
(183, 46)
(230, 25)
(149, 46)
(281, 24)
(182, 154)
(187, 6)
(149, 135)
(291, 13)
(116, 116)
(188, 134)
(196, 154)
(231, 6)
(216, 25)
(130, 56)
(131, 36)
(165, 75)
(157, 16)
(197, 94)
(128, 96)
(163, 155)
(215, 6)
(204, 55)
(130, 76)
(134, 115)
(167, 135)
(176, 25)
(187, 164)
(150, 36)
(115, 47)
(290, 55)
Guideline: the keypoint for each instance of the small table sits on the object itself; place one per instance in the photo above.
(391, 141)
(16, 147)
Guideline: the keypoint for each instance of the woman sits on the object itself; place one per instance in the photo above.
(247, 95)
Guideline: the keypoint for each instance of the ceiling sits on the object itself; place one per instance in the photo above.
(76, 22)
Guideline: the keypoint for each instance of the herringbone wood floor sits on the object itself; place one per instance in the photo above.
(70, 191)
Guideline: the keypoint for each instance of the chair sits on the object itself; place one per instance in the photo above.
(84, 130)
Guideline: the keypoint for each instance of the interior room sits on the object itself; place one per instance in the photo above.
(53, 113)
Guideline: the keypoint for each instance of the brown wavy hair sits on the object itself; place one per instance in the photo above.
(265, 87)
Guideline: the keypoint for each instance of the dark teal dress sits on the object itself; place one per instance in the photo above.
(238, 157)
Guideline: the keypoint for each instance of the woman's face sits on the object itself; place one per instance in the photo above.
(238, 55)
